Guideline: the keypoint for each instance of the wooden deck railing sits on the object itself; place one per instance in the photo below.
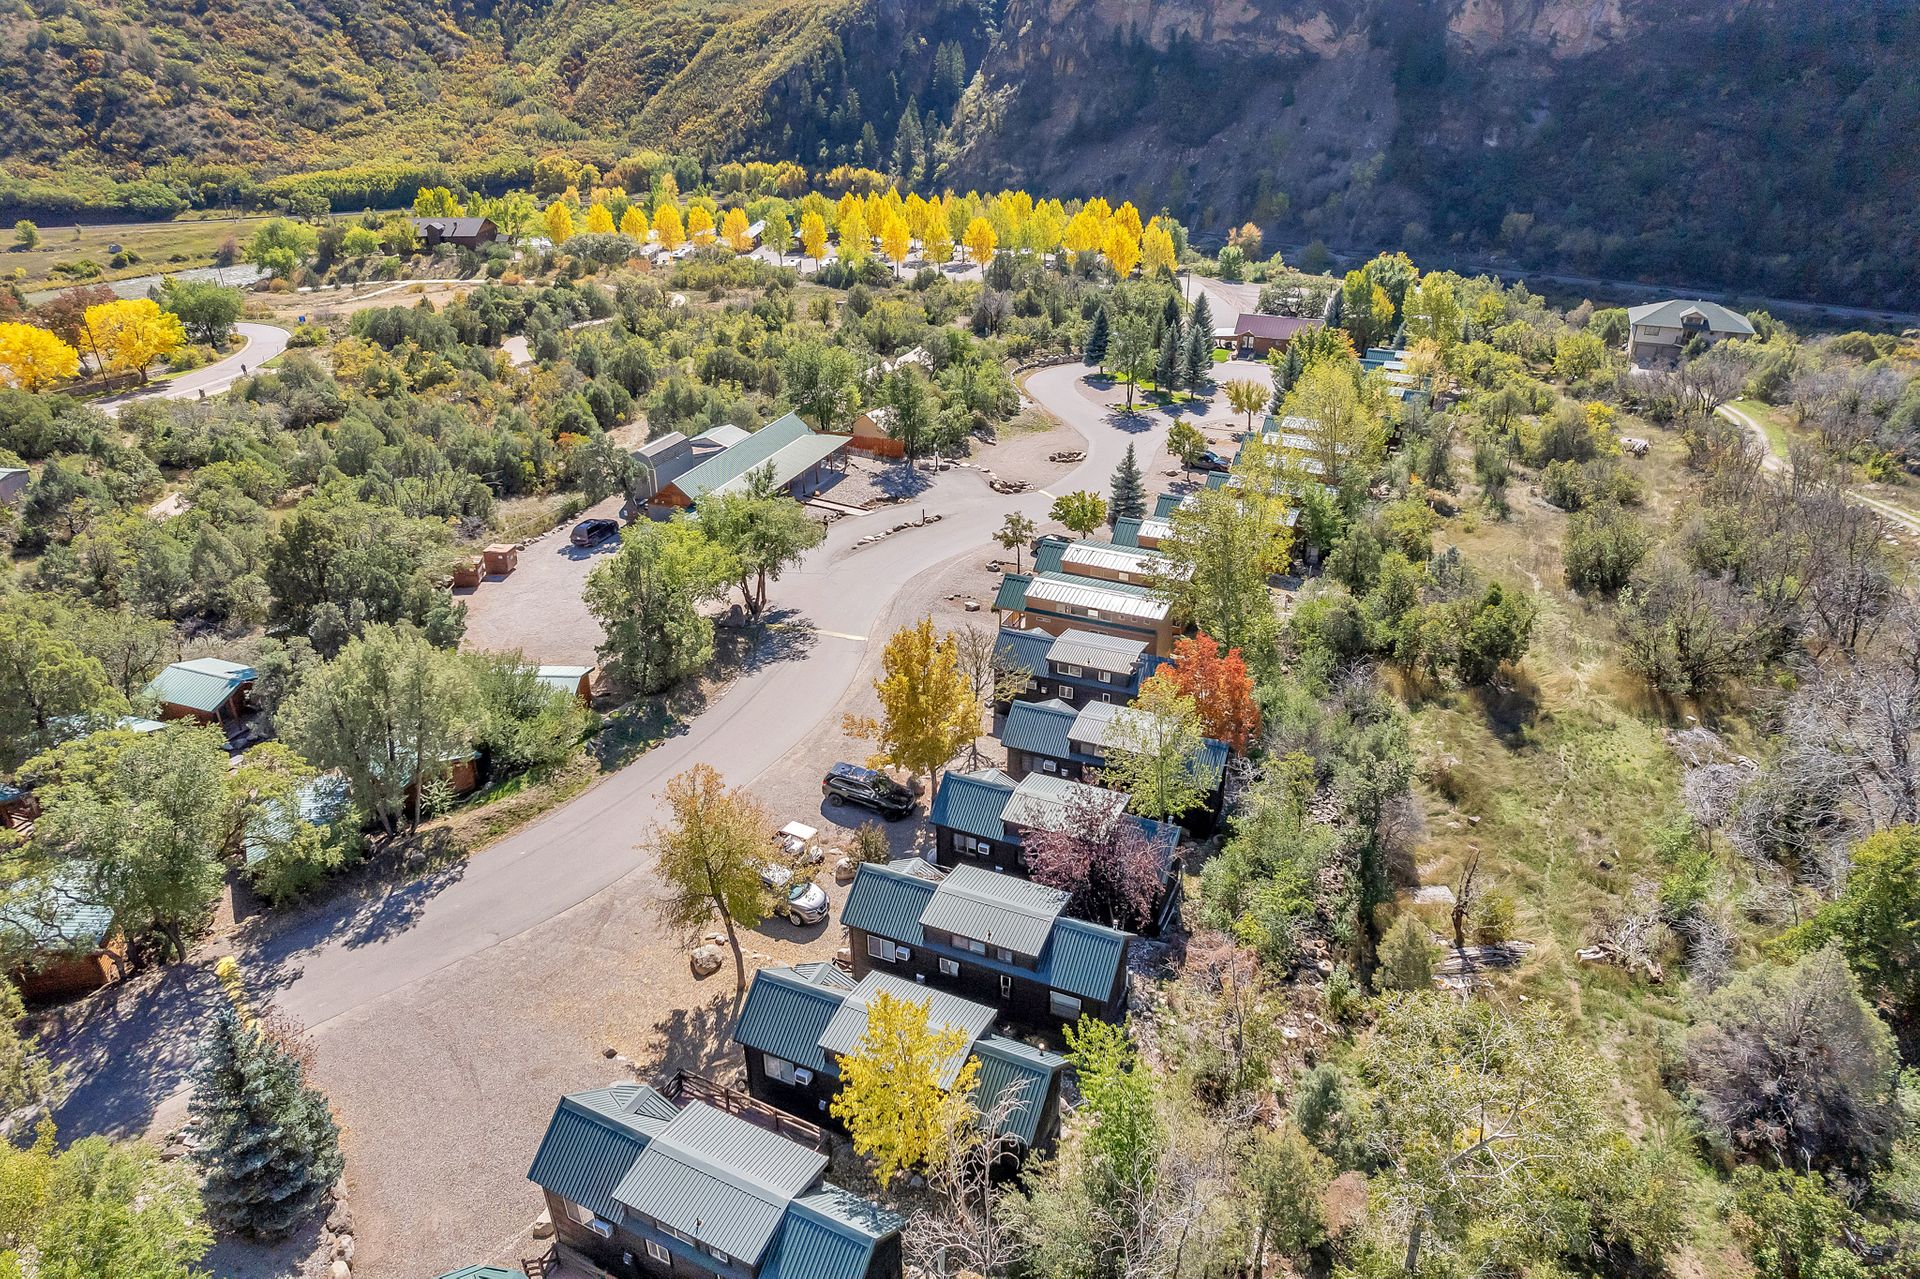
(688, 1086)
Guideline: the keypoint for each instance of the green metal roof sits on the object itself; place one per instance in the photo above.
(720, 1180)
(1039, 728)
(585, 1154)
(1007, 1065)
(1083, 959)
(786, 1015)
(1012, 595)
(1047, 554)
(1024, 649)
(324, 801)
(1126, 531)
(829, 1233)
(1166, 504)
(58, 915)
(848, 1029)
(971, 802)
(203, 684)
(1002, 910)
(887, 902)
(787, 444)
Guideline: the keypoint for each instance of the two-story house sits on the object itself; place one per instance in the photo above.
(640, 1188)
(997, 940)
(1091, 585)
(797, 1023)
(982, 818)
(1661, 332)
(1058, 740)
(1075, 666)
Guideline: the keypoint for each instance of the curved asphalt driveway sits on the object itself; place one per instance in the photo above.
(840, 591)
(258, 344)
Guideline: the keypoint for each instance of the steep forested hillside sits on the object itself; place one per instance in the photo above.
(1755, 144)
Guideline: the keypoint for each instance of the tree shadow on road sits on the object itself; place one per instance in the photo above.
(126, 1049)
(1135, 421)
(902, 481)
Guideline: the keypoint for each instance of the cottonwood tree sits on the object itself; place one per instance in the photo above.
(136, 823)
(1082, 512)
(32, 358)
(765, 532)
(708, 854)
(390, 713)
(1102, 857)
(1347, 431)
(1490, 1132)
(264, 1138)
(1015, 532)
(1185, 442)
(648, 599)
(100, 1210)
(929, 711)
(896, 1098)
(1155, 752)
(1875, 920)
(46, 681)
(823, 381)
(1245, 396)
(1222, 549)
(1131, 353)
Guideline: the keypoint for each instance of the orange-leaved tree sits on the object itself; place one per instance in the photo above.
(1220, 686)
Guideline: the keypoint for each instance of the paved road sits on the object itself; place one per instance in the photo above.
(390, 984)
(258, 344)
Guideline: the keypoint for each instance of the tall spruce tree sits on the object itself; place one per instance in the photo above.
(1198, 355)
(1171, 371)
(1129, 491)
(265, 1140)
(1201, 317)
(1170, 310)
(1097, 338)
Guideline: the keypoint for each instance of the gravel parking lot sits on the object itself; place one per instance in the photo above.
(538, 608)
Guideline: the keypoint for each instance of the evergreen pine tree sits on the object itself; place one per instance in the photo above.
(1171, 369)
(1129, 491)
(1202, 316)
(1199, 355)
(1097, 337)
(265, 1140)
(869, 146)
(1170, 313)
(907, 146)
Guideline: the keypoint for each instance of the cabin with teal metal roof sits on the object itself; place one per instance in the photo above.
(640, 1187)
(208, 690)
(997, 940)
(797, 1023)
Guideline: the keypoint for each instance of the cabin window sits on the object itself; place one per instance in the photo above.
(658, 1251)
(949, 968)
(1066, 691)
(968, 943)
(880, 948)
(1106, 677)
(717, 1255)
(1004, 955)
(582, 1215)
(1062, 1005)
(1069, 669)
(1048, 766)
(1106, 697)
(778, 1068)
(1006, 986)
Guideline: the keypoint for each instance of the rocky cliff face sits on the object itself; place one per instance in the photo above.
(1617, 137)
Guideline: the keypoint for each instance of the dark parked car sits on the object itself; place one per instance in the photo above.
(593, 532)
(851, 784)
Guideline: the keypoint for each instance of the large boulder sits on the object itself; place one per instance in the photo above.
(706, 960)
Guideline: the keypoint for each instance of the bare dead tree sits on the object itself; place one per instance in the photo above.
(964, 1229)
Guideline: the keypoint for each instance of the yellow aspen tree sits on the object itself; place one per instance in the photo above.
(667, 227)
(133, 333)
(634, 223)
(1101, 211)
(1156, 249)
(960, 211)
(813, 235)
(896, 240)
(856, 242)
(1123, 251)
(928, 709)
(1129, 217)
(1047, 226)
(559, 220)
(848, 203)
(699, 226)
(875, 209)
(599, 221)
(32, 358)
(937, 243)
(980, 241)
(896, 207)
(733, 229)
(1083, 234)
(907, 1089)
(915, 212)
